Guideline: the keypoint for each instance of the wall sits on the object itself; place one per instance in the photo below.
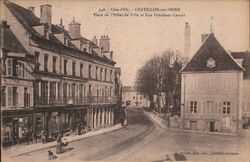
(210, 90)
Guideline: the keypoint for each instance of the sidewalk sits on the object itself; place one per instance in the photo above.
(24, 149)
(162, 123)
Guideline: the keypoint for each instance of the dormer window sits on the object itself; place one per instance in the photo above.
(65, 41)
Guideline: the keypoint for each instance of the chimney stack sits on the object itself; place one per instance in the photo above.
(95, 40)
(32, 9)
(104, 43)
(46, 16)
(75, 29)
(61, 23)
(187, 41)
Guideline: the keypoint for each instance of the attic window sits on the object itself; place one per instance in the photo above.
(66, 41)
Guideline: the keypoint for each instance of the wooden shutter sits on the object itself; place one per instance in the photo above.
(9, 67)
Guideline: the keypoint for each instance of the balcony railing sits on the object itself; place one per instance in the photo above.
(43, 101)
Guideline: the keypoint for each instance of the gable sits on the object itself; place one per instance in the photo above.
(211, 57)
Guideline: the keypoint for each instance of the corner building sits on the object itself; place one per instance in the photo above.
(73, 77)
(211, 90)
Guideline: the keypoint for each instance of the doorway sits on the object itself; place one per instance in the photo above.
(211, 126)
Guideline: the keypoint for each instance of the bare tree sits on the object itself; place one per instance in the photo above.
(161, 75)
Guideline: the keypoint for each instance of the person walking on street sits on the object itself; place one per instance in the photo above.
(59, 144)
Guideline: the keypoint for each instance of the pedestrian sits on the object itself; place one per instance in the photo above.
(20, 135)
(79, 128)
(43, 137)
(125, 118)
(59, 144)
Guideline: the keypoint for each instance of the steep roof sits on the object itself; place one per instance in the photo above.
(211, 57)
(28, 20)
(246, 62)
(8, 40)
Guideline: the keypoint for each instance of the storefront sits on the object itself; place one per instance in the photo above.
(17, 127)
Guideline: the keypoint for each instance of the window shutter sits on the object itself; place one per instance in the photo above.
(216, 107)
(187, 106)
(9, 67)
(220, 107)
(199, 107)
(9, 92)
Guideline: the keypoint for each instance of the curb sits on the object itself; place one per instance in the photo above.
(53, 144)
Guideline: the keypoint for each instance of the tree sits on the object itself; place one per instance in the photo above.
(161, 75)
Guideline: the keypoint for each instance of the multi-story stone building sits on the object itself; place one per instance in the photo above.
(213, 89)
(73, 77)
(131, 97)
(243, 59)
(16, 87)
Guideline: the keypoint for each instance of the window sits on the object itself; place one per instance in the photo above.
(111, 73)
(52, 90)
(226, 107)
(89, 71)
(101, 74)
(65, 90)
(37, 60)
(193, 107)
(15, 97)
(3, 96)
(211, 83)
(105, 75)
(96, 73)
(46, 58)
(26, 97)
(209, 106)
(81, 70)
(65, 66)
(54, 64)
(73, 68)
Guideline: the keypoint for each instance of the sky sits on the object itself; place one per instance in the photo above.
(134, 40)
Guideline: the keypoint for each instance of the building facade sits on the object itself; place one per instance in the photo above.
(211, 90)
(73, 78)
(243, 59)
(17, 102)
(131, 97)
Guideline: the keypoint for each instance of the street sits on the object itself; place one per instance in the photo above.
(142, 140)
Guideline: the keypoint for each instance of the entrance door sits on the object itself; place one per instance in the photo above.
(211, 126)
(193, 125)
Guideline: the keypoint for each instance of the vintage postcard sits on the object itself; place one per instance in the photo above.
(123, 80)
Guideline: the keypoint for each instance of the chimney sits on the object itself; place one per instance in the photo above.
(104, 43)
(203, 37)
(75, 29)
(95, 41)
(32, 9)
(61, 23)
(46, 16)
(187, 41)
